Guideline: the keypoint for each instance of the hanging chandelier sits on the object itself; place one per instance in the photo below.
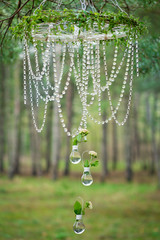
(60, 45)
(81, 36)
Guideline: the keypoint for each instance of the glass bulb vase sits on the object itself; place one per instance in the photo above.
(75, 156)
(78, 226)
(86, 178)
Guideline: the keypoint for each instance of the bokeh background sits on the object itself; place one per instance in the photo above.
(38, 186)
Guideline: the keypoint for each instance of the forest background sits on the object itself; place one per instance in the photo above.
(125, 191)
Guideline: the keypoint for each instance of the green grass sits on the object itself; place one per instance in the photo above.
(39, 209)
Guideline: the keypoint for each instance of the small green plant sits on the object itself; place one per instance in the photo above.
(75, 156)
(80, 137)
(91, 162)
(79, 209)
(87, 178)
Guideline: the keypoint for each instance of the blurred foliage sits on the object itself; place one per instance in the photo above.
(149, 54)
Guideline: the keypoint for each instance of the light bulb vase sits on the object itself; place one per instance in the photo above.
(75, 156)
(86, 178)
(78, 226)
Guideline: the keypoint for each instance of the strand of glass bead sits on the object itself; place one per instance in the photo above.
(109, 94)
(24, 75)
(130, 93)
(137, 56)
(123, 86)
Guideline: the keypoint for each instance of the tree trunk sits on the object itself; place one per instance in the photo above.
(49, 138)
(104, 149)
(155, 157)
(136, 131)
(114, 146)
(149, 123)
(2, 115)
(18, 145)
(18, 149)
(35, 148)
(153, 133)
(128, 147)
(146, 125)
(16, 122)
(69, 106)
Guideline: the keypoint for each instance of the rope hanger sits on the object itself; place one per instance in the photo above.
(84, 4)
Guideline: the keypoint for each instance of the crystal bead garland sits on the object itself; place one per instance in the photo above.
(137, 57)
(112, 75)
(31, 76)
(36, 83)
(107, 86)
(58, 99)
(32, 80)
(24, 75)
(84, 86)
(98, 78)
(130, 83)
(122, 90)
(105, 67)
(69, 74)
(92, 74)
(45, 70)
(84, 69)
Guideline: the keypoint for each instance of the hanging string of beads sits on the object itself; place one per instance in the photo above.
(91, 52)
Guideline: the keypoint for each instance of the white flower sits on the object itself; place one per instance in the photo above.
(84, 132)
(90, 205)
(93, 154)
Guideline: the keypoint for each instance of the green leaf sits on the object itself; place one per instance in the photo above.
(74, 142)
(62, 26)
(79, 137)
(95, 163)
(87, 204)
(77, 208)
(86, 163)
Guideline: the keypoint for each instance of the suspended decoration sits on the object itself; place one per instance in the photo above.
(86, 178)
(75, 156)
(78, 39)
(79, 209)
(53, 36)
